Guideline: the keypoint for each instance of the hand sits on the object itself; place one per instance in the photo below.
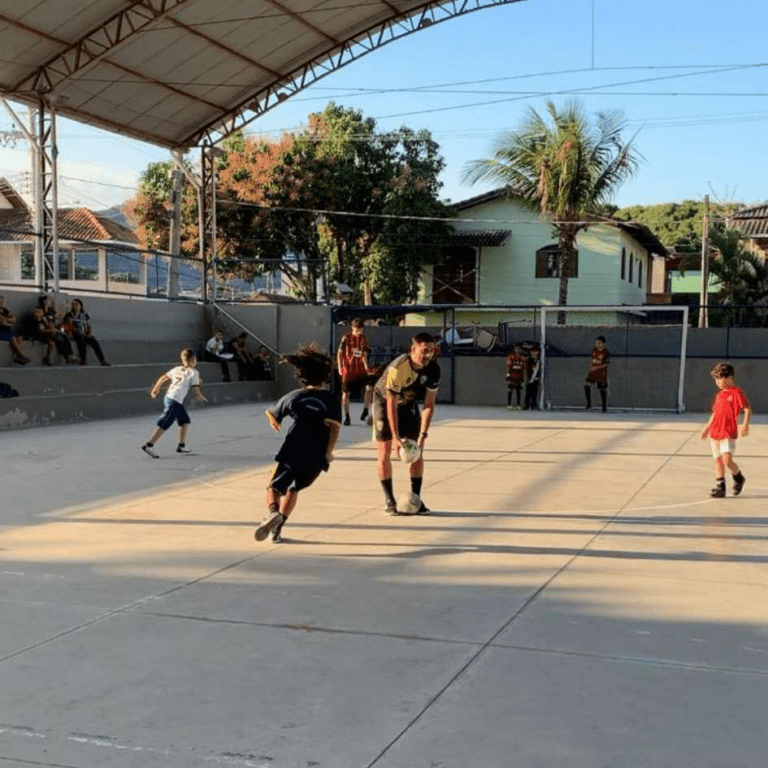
(744, 431)
(704, 433)
(397, 443)
(203, 398)
(422, 439)
(153, 393)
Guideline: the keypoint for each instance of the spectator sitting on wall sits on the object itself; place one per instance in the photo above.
(42, 326)
(6, 334)
(214, 353)
(77, 323)
(244, 359)
(263, 364)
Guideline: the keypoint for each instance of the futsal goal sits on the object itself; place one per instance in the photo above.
(647, 346)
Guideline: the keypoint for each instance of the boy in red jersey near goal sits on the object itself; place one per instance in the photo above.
(723, 429)
(352, 360)
(515, 376)
(598, 373)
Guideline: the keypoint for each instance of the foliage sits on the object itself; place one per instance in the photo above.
(149, 209)
(563, 166)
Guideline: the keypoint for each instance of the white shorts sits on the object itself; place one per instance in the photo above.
(719, 447)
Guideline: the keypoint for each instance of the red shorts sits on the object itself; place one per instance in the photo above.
(353, 379)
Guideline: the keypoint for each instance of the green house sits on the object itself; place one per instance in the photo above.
(503, 254)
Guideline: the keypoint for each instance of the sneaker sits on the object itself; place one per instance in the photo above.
(179, 449)
(390, 507)
(422, 510)
(369, 420)
(347, 421)
(510, 407)
(277, 534)
(46, 361)
(738, 485)
(268, 524)
(21, 360)
(718, 492)
(72, 360)
(105, 362)
(364, 414)
(149, 450)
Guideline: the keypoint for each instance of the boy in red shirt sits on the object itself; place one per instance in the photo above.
(515, 376)
(723, 429)
(352, 360)
(598, 373)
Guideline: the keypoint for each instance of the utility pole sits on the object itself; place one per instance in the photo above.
(704, 297)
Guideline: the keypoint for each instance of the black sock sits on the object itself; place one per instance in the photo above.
(603, 397)
(387, 486)
(181, 445)
(416, 485)
(509, 397)
(150, 444)
(720, 482)
(518, 396)
(738, 477)
(588, 395)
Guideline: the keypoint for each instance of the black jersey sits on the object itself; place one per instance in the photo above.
(306, 443)
(406, 382)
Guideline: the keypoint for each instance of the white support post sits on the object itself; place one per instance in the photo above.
(543, 356)
(683, 358)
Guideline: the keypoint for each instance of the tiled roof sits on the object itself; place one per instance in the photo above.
(753, 222)
(74, 224)
(11, 195)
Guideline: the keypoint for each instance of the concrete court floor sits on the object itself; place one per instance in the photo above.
(576, 600)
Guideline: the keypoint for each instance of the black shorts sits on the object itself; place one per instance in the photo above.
(357, 380)
(600, 384)
(408, 420)
(173, 411)
(515, 383)
(285, 478)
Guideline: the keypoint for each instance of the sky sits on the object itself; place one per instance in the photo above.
(691, 78)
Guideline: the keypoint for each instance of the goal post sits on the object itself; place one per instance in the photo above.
(648, 353)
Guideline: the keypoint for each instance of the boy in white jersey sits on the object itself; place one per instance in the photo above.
(180, 380)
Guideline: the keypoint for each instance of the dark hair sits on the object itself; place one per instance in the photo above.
(41, 302)
(600, 338)
(82, 308)
(312, 367)
(422, 338)
(722, 371)
(356, 322)
(189, 353)
(242, 335)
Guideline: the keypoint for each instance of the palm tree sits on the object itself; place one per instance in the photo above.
(564, 167)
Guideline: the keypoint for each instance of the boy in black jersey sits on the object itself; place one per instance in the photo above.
(406, 380)
(308, 447)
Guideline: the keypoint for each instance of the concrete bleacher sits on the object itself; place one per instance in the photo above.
(142, 340)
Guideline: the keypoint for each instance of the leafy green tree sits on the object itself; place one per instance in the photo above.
(563, 166)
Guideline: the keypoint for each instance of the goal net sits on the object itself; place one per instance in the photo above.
(646, 368)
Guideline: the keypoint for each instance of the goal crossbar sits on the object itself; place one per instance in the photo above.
(640, 309)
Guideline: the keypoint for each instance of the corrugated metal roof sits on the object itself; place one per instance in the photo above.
(479, 237)
(176, 72)
(753, 221)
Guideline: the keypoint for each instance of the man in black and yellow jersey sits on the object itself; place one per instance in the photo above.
(408, 379)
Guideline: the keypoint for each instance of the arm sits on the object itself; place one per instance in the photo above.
(164, 379)
(333, 435)
(744, 431)
(705, 431)
(199, 393)
(426, 415)
(273, 422)
(392, 417)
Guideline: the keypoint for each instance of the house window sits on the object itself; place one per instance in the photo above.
(65, 263)
(124, 267)
(454, 281)
(639, 273)
(623, 263)
(27, 265)
(548, 262)
(86, 265)
(631, 265)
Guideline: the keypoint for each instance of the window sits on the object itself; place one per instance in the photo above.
(631, 265)
(548, 262)
(623, 263)
(639, 273)
(65, 259)
(124, 267)
(27, 265)
(454, 280)
(86, 265)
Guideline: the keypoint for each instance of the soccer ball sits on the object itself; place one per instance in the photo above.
(409, 503)
(409, 452)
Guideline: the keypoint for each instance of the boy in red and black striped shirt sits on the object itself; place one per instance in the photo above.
(723, 429)
(515, 375)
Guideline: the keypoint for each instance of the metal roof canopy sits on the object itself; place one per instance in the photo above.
(180, 73)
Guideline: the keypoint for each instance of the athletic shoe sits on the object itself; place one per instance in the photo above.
(347, 421)
(510, 407)
(46, 361)
(183, 450)
(364, 414)
(390, 507)
(738, 485)
(369, 420)
(21, 360)
(277, 534)
(149, 450)
(422, 510)
(268, 524)
(718, 492)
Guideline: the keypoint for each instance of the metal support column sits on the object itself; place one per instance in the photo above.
(207, 200)
(48, 193)
(174, 263)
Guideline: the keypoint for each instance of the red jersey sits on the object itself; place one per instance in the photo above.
(516, 367)
(597, 375)
(729, 403)
(352, 351)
